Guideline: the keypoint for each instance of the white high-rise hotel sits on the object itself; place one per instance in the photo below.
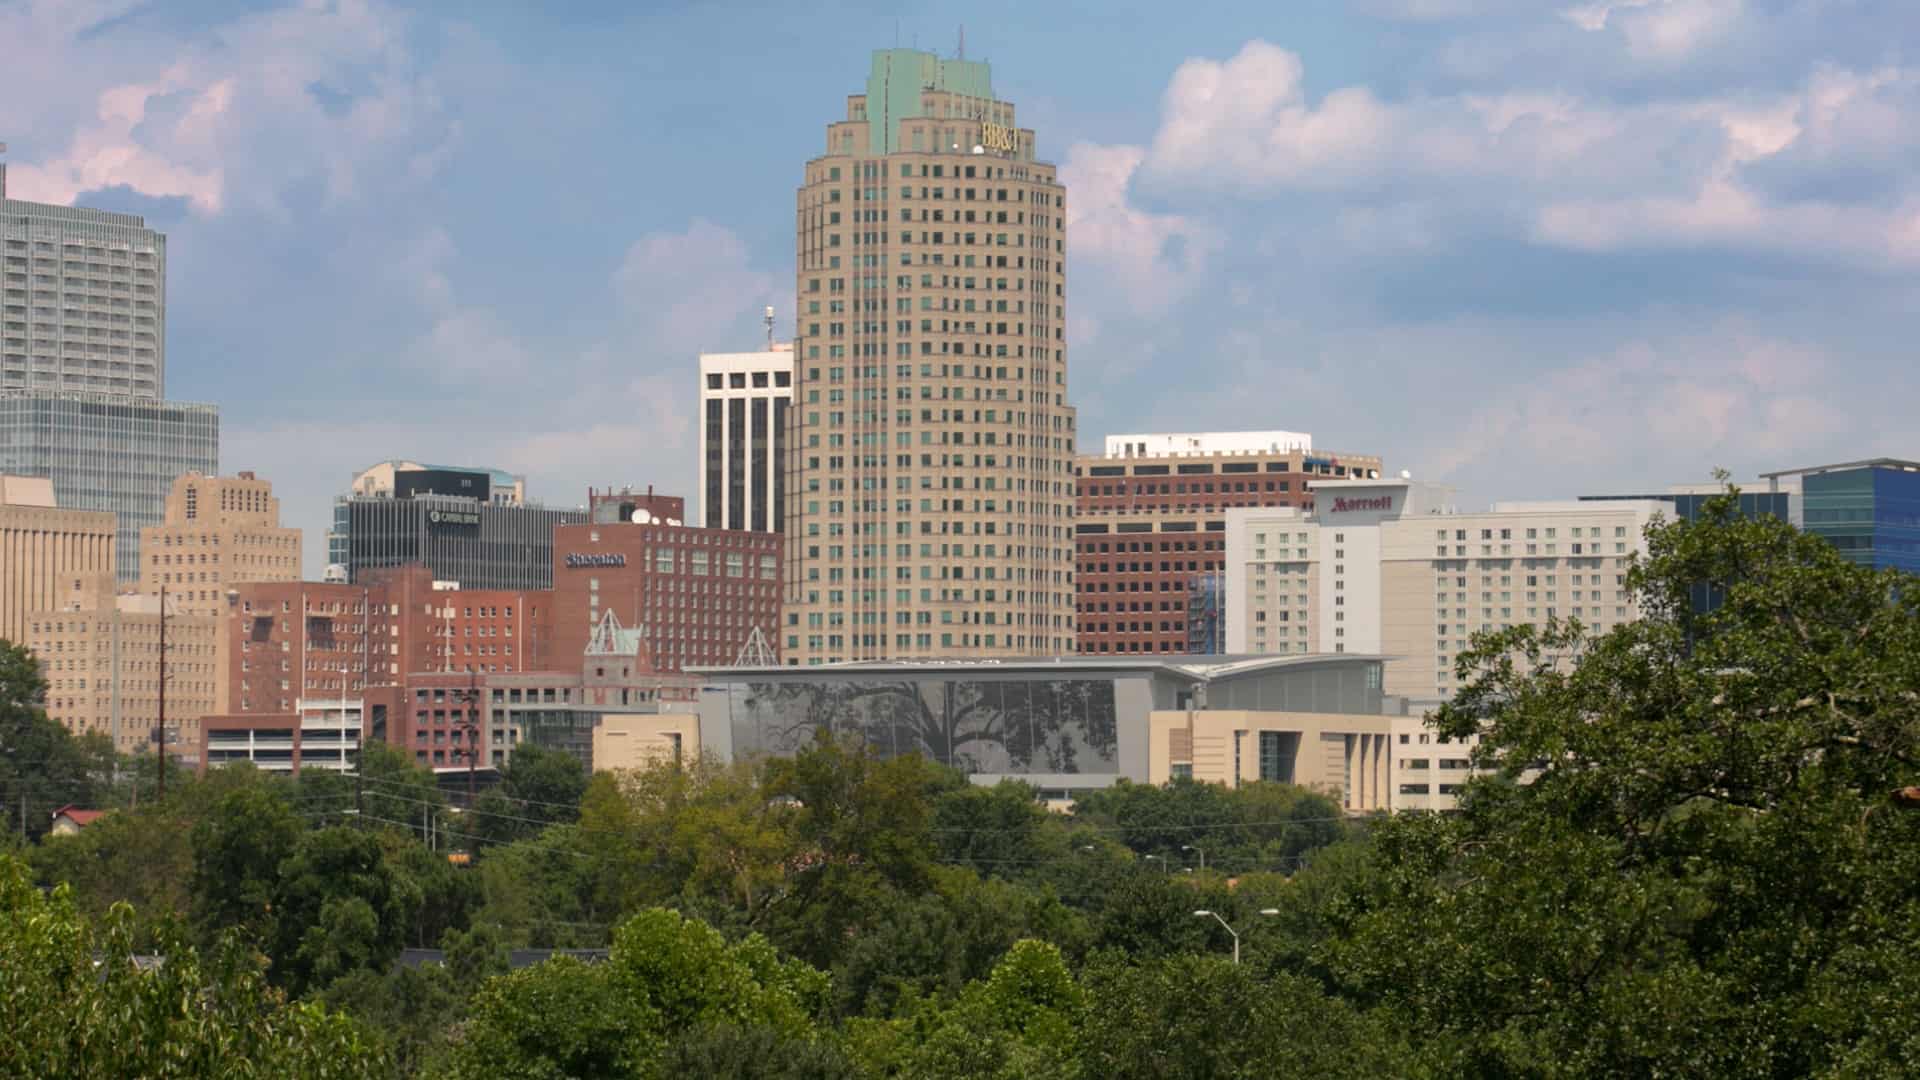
(1392, 568)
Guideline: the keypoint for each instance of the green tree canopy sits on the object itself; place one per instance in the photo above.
(75, 1004)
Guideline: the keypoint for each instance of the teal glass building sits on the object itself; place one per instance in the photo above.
(1869, 510)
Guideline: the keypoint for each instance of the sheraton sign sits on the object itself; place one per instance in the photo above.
(1343, 506)
(578, 560)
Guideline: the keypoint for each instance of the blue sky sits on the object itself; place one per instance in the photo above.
(1532, 249)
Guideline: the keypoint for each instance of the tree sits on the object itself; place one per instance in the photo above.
(1020, 1021)
(538, 787)
(141, 857)
(862, 825)
(74, 1003)
(42, 766)
(409, 1009)
(338, 906)
(398, 793)
(667, 977)
(1690, 859)
(555, 1020)
(238, 847)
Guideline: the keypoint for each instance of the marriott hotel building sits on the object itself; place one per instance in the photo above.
(929, 509)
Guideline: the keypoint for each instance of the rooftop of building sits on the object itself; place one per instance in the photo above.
(781, 355)
(27, 491)
(1897, 464)
(497, 476)
(1192, 668)
(78, 215)
(1175, 443)
(88, 397)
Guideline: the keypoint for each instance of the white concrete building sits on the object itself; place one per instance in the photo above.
(1392, 567)
(744, 399)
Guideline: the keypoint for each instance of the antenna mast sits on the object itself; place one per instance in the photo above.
(768, 319)
(756, 652)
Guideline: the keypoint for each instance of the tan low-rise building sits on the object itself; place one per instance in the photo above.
(1333, 752)
(101, 652)
(45, 550)
(638, 740)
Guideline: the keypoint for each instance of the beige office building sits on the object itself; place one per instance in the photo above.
(100, 652)
(45, 551)
(219, 531)
(1394, 568)
(641, 740)
(930, 494)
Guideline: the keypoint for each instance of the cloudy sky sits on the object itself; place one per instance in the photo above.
(1531, 249)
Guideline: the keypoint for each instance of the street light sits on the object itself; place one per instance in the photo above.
(1165, 867)
(1196, 851)
(1203, 914)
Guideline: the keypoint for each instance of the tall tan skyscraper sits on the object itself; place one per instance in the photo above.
(219, 531)
(930, 494)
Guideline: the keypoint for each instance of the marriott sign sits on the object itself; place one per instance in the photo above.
(1381, 502)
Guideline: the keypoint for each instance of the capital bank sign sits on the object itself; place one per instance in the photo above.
(1345, 506)
(576, 559)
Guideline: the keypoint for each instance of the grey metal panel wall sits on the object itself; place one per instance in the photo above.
(1343, 688)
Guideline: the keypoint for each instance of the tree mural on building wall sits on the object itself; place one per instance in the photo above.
(976, 725)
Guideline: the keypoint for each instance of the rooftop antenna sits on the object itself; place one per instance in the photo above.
(768, 319)
(756, 652)
(963, 41)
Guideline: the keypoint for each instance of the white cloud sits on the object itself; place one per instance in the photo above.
(1246, 122)
(323, 90)
(693, 291)
(1583, 174)
(1151, 256)
(1720, 397)
(1660, 29)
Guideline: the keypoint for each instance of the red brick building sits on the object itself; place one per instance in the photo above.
(696, 595)
(1150, 529)
(306, 673)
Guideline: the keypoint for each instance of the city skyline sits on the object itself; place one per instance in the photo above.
(1532, 255)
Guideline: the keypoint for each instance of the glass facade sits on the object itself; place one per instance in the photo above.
(1278, 752)
(479, 545)
(979, 725)
(1870, 513)
(107, 452)
(1206, 614)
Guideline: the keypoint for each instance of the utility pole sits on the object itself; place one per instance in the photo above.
(366, 683)
(473, 731)
(160, 732)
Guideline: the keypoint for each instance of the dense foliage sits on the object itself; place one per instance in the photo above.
(1695, 851)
